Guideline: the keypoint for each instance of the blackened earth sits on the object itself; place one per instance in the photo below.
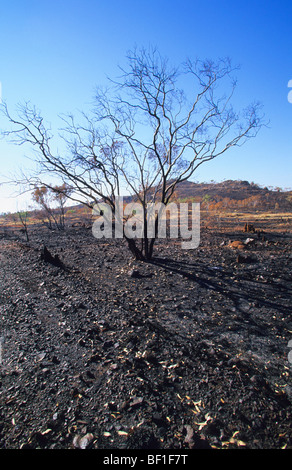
(184, 352)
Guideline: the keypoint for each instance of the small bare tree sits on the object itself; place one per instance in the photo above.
(60, 195)
(40, 195)
(145, 134)
(23, 217)
(52, 201)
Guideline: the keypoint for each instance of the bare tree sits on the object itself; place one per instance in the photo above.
(144, 135)
(52, 201)
(23, 217)
(60, 195)
(41, 196)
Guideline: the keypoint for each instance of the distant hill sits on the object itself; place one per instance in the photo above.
(232, 189)
(233, 193)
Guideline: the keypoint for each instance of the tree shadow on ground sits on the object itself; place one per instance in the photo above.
(217, 279)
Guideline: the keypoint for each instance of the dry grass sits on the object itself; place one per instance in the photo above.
(262, 220)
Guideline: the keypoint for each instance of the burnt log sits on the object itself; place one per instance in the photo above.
(49, 258)
(249, 228)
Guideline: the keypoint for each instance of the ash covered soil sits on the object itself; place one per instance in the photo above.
(187, 351)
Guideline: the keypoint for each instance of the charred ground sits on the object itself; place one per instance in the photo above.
(187, 351)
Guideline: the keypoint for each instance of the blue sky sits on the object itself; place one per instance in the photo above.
(54, 53)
